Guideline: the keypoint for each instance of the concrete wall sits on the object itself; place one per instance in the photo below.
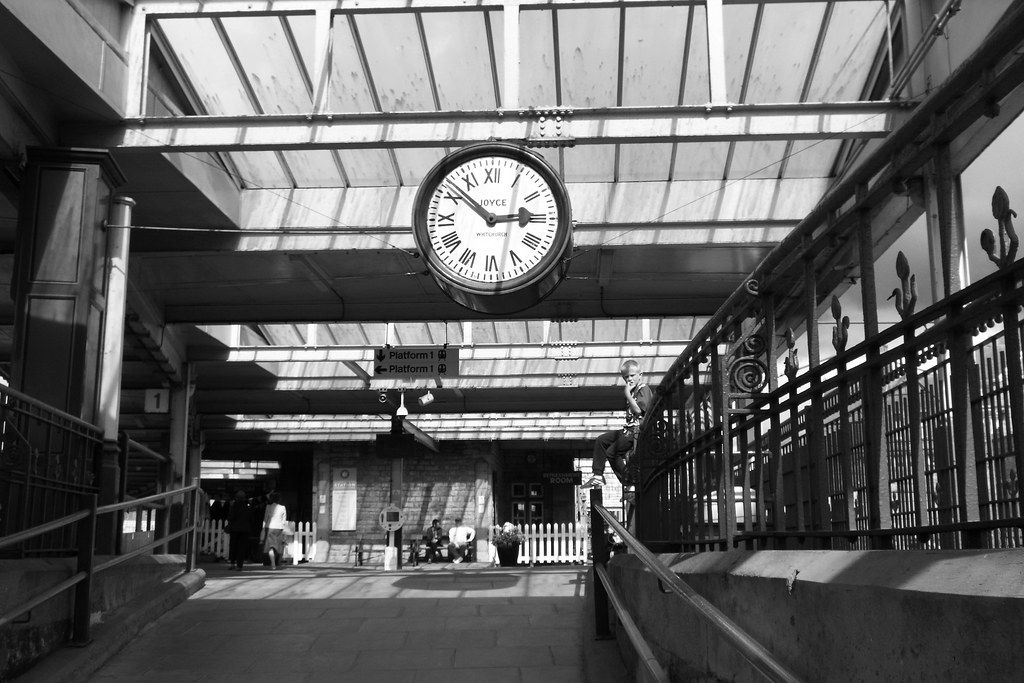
(48, 626)
(836, 615)
(453, 483)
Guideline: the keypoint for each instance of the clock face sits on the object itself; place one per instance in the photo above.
(493, 223)
(492, 219)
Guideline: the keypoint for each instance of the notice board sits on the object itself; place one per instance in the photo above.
(343, 499)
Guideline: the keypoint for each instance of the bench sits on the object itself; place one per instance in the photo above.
(418, 551)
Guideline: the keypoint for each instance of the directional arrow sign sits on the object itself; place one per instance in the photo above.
(415, 362)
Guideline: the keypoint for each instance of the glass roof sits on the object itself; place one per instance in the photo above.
(438, 60)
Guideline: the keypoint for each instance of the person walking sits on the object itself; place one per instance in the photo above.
(239, 529)
(274, 520)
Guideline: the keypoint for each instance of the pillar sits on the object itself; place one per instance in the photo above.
(59, 288)
(58, 284)
(108, 471)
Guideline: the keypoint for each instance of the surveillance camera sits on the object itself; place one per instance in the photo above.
(383, 397)
(426, 399)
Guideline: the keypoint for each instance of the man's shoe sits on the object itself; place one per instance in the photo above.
(595, 481)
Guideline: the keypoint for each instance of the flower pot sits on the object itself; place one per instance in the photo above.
(508, 555)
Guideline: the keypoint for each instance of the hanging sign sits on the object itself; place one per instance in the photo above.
(415, 362)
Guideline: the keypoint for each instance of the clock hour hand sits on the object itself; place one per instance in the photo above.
(523, 217)
(481, 211)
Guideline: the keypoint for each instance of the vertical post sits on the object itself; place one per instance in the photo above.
(137, 42)
(720, 406)
(122, 490)
(83, 590)
(599, 551)
(821, 517)
(951, 229)
(1015, 380)
(876, 458)
(116, 292)
(961, 367)
(510, 91)
(191, 545)
(716, 52)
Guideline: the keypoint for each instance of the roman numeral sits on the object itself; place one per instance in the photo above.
(467, 258)
(445, 220)
(470, 181)
(492, 263)
(538, 217)
(531, 240)
(515, 259)
(531, 196)
(491, 175)
(449, 195)
(451, 241)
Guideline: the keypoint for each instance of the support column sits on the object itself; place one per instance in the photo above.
(116, 266)
(178, 450)
(948, 222)
(58, 284)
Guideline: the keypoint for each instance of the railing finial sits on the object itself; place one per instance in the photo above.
(841, 332)
(792, 362)
(1008, 241)
(906, 293)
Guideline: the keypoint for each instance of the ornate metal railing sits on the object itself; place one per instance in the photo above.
(909, 439)
(47, 460)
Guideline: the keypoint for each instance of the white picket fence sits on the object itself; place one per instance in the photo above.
(213, 540)
(551, 543)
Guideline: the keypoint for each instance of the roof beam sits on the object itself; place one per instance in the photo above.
(253, 7)
(394, 130)
(480, 352)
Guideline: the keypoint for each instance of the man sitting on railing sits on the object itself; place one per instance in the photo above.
(612, 446)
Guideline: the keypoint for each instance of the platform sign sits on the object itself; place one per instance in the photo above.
(415, 362)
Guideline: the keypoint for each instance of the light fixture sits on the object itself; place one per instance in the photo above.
(427, 398)
(402, 410)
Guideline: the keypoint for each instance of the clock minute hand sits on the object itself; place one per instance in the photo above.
(481, 211)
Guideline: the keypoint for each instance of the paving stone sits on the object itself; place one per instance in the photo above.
(508, 674)
(423, 658)
(327, 623)
(503, 656)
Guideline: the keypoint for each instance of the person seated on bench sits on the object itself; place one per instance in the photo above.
(612, 446)
(433, 537)
(461, 540)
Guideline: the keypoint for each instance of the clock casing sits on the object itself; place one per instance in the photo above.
(493, 222)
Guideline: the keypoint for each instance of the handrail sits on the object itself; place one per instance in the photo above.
(139, 502)
(146, 450)
(41, 529)
(51, 592)
(751, 650)
(643, 650)
(82, 579)
(50, 409)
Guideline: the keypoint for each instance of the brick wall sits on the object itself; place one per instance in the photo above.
(453, 483)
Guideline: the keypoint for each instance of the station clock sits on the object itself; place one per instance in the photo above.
(494, 224)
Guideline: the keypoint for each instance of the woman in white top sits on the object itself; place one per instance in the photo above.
(273, 529)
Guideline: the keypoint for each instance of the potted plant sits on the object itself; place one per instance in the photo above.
(506, 539)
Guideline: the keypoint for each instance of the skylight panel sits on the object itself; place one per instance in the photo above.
(785, 46)
(536, 59)
(589, 56)
(395, 59)
(461, 59)
(272, 69)
(856, 30)
(654, 46)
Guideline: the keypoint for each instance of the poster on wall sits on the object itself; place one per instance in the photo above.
(343, 499)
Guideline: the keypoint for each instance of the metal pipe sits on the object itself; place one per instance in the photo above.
(643, 650)
(750, 649)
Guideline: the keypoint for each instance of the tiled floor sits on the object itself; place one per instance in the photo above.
(325, 623)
